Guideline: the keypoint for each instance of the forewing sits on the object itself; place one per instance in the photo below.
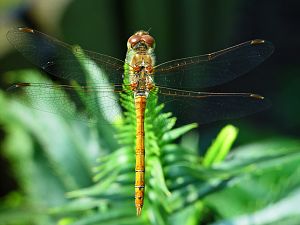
(60, 59)
(214, 68)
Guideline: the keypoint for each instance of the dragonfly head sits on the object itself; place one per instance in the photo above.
(141, 41)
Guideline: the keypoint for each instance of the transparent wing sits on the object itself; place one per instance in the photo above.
(85, 103)
(214, 68)
(60, 59)
(205, 107)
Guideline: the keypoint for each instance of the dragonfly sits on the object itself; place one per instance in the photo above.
(176, 82)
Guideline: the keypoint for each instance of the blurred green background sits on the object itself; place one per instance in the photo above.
(181, 29)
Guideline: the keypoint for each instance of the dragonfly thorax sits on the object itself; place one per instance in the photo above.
(141, 60)
(141, 71)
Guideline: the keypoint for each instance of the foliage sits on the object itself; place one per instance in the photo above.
(52, 156)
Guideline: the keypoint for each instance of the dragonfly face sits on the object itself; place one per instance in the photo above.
(141, 59)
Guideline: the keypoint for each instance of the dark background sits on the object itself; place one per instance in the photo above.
(181, 29)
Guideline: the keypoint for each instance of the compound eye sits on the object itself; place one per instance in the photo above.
(134, 39)
(148, 39)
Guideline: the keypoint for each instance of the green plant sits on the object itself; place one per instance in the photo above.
(53, 156)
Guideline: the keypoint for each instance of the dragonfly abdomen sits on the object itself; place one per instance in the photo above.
(140, 105)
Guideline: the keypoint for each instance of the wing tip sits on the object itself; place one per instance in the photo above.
(267, 45)
(259, 97)
(26, 29)
(261, 41)
(10, 35)
(257, 41)
(17, 85)
(21, 29)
